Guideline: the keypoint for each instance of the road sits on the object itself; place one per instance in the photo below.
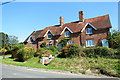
(10, 71)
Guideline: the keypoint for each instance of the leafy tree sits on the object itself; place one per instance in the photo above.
(114, 40)
(12, 40)
(3, 39)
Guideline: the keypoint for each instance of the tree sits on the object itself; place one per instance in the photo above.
(114, 40)
(3, 39)
(12, 40)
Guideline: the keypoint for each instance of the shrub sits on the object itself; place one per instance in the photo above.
(54, 49)
(15, 49)
(39, 52)
(71, 51)
(25, 53)
(100, 52)
(3, 50)
(89, 52)
(43, 52)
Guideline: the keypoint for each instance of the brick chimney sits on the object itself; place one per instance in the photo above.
(61, 20)
(81, 16)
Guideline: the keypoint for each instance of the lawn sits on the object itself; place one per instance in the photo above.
(92, 66)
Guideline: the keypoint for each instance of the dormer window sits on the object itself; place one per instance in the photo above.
(31, 40)
(88, 30)
(49, 36)
(67, 34)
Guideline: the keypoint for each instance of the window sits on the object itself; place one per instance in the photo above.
(89, 42)
(49, 36)
(49, 44)
(88, 30)
(31, 40)
(105, 43)
(67, 34)
(70, 42)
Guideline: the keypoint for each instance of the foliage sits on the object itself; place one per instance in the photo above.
(25, 53)
(43, 52)
(13, 39)
(3, 39)
(3, 50)
(100, 52)
(72, 51)
(39, 52)
(64, 41)
(114, 40)
(43, 44)
(16, 47)
(54, 49)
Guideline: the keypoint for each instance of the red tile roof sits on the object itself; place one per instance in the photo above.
(97, 22)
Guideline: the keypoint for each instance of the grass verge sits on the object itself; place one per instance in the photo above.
(92, 66)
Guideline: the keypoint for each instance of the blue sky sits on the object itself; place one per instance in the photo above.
(22, 18)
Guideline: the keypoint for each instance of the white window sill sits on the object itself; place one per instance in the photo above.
(89, 33)
(90, 46)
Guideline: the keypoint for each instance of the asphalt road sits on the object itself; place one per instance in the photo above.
(10, 71)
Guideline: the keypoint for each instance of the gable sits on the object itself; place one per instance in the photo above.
(65, 29)
(87, 25)
(48, 31)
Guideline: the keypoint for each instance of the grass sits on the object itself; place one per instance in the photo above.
(109, 67)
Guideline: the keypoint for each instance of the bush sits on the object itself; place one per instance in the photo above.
(54, 49)
(43, 52)
(15, 49)
(72, 51)
(25, 53)
(104, 52)
(39, 52)
(3, 50)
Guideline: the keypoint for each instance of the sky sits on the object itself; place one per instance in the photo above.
(22, 18)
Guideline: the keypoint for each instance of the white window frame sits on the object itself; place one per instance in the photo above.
(105, 43)
(90, 43)
(88, 30)
(67, 34)
(49, 34)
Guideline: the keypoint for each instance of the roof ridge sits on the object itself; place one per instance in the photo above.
(98, 17)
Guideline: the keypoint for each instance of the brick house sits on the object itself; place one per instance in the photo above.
(84, 32)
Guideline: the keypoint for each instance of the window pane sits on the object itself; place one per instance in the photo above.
(90, 42)
(88, 30)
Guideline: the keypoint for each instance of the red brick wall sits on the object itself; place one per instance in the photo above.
(97, 35)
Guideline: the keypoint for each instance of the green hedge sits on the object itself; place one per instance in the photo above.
(25, 53)
(72, 51)
(42, 52)
(100, 52)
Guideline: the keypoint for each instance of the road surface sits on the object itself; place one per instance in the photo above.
(10, 71)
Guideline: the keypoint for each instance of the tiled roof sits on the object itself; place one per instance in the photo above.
(100, 22)
(97, 22)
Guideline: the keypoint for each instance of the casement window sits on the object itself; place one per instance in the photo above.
(67, 34)
(88, 30)
(31, 40)
(49, 36)
(105, 43)
(70, 42)
(89, 42)
(49, 44)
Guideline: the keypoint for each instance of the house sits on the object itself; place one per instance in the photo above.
(84, 32)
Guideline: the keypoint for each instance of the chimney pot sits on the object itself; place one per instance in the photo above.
(81, 16)
(61, 20)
